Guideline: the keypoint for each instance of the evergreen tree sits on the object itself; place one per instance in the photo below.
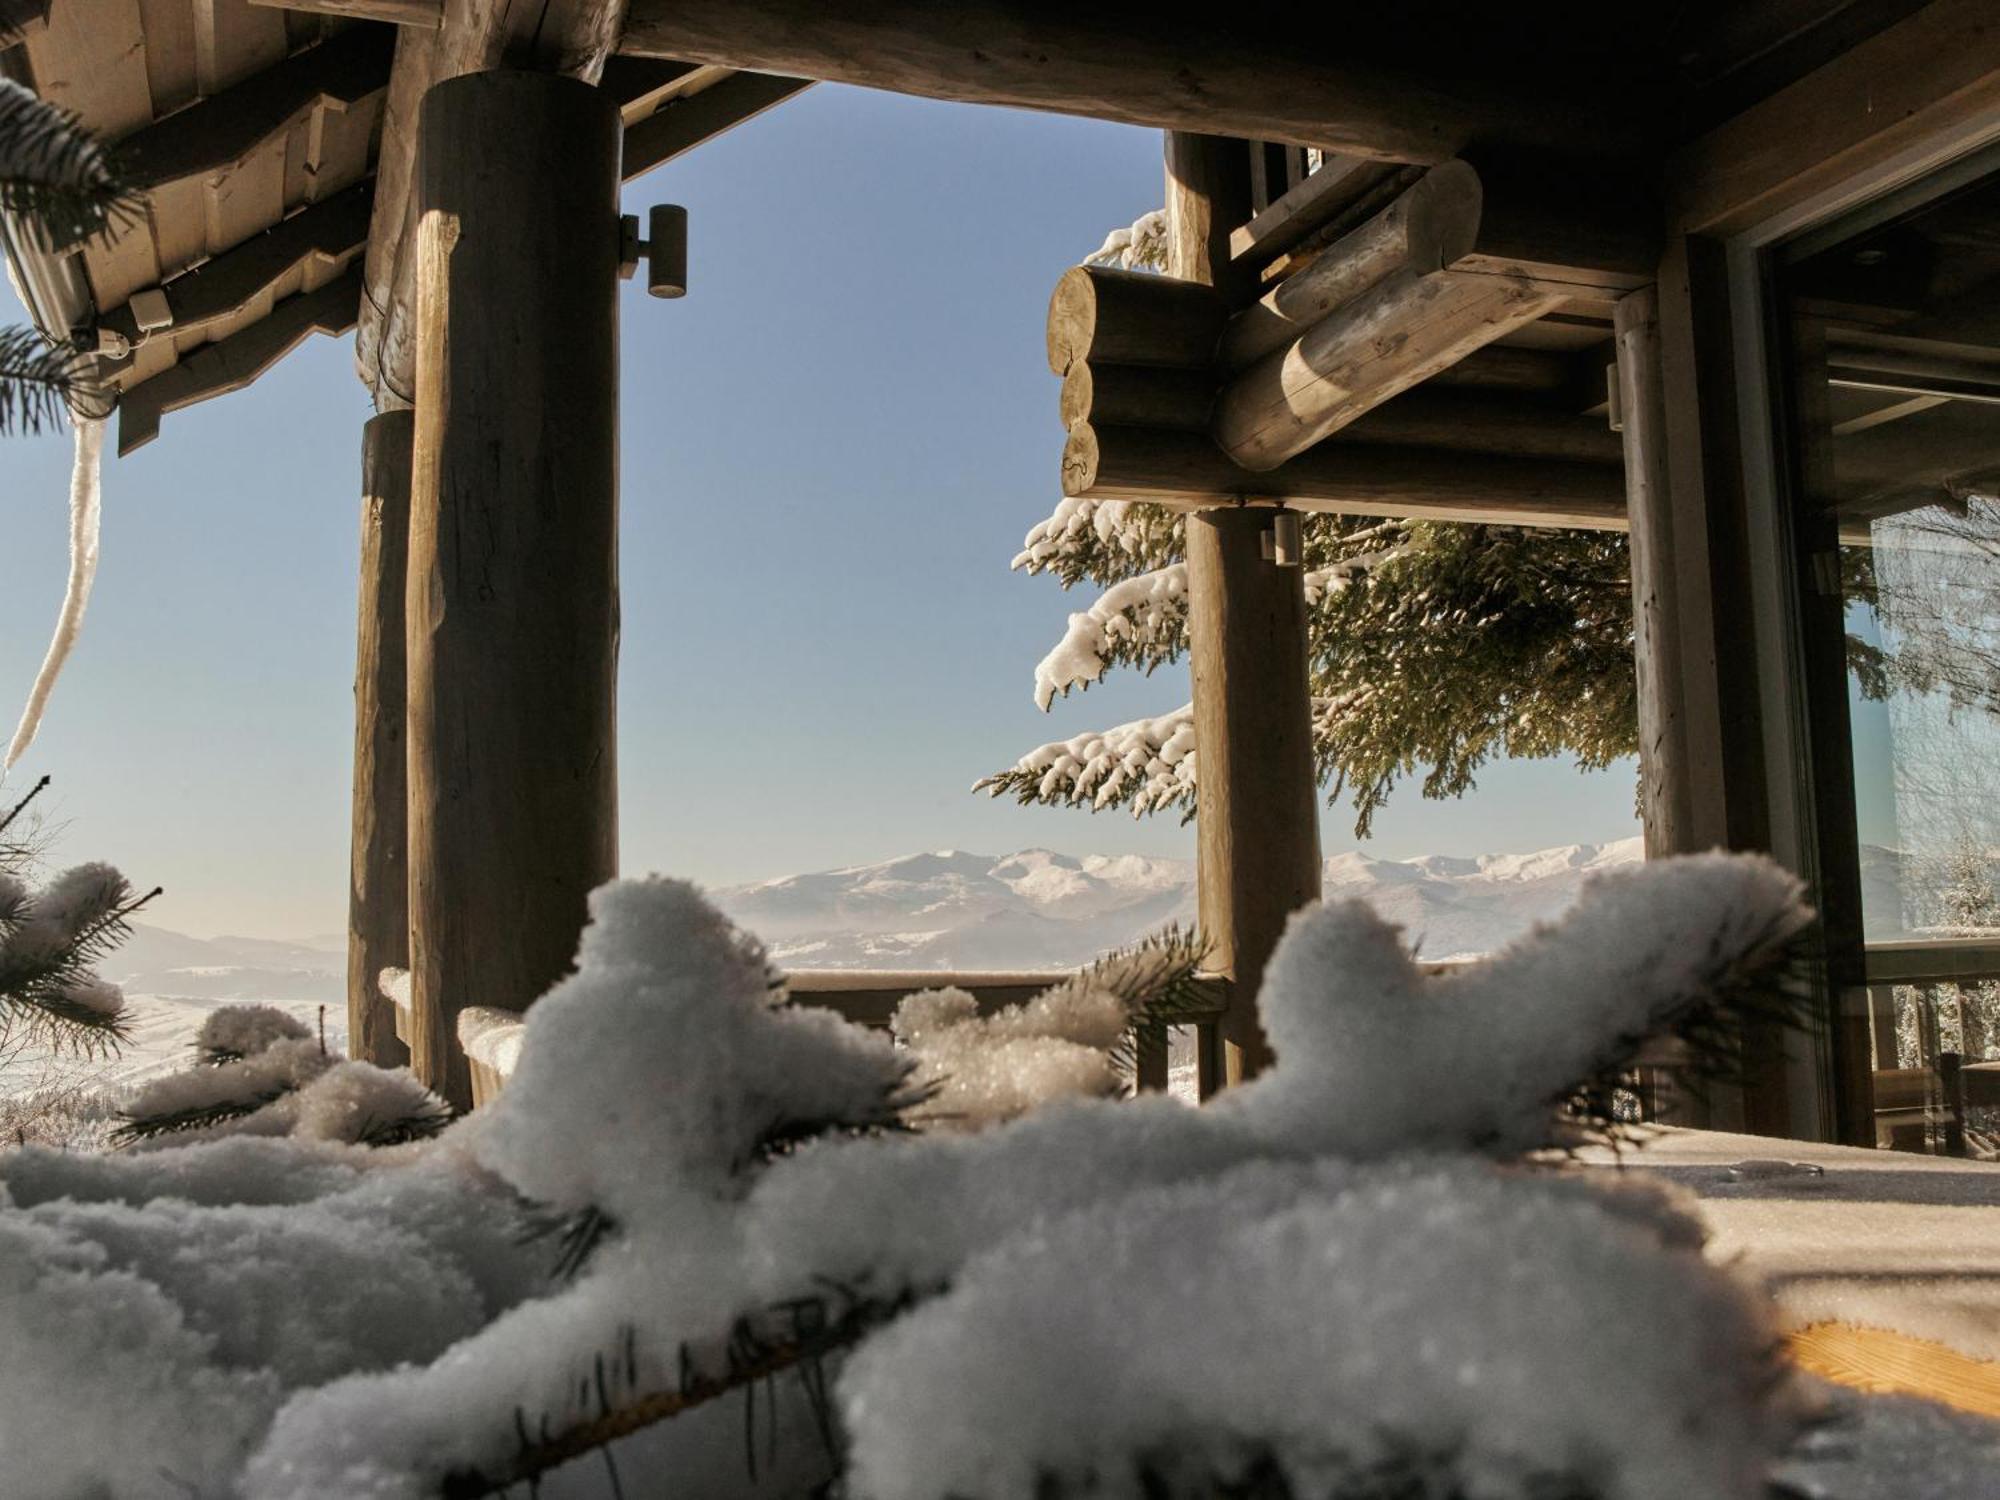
(1432, 644)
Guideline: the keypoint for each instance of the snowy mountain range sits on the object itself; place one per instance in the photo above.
(956, 910)
(1036, 908)
(945, 910)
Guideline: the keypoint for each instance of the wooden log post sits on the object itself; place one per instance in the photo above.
(378, 900)
(513, 586)
(1256, 799)
(1257, 802)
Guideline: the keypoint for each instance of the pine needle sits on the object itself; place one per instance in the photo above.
(55, 176)
(41, 383)
(1758, 992)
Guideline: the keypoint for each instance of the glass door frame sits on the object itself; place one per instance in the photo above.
(1808, 763)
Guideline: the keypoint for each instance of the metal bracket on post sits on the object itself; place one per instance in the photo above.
(664, 249)
(1287, 544)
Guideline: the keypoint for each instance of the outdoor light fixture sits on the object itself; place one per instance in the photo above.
(665, 249)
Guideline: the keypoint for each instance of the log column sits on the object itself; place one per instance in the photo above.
(513, 584)
(1257, 806)
(378, 905)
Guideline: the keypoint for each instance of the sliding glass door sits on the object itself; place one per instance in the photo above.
(1888, 330)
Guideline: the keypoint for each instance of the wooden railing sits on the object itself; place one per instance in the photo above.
(868, 997)
(1940, 1104)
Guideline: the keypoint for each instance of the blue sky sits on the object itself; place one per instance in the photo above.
(831, 450)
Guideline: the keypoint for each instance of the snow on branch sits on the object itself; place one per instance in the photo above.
(1141, 246)
(1100, 540)
(1147, 764)
(1142, 621)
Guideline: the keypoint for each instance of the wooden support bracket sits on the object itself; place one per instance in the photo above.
(421, 13)
(683, 123)
(234, 362)
(330, 232)
(220, 130)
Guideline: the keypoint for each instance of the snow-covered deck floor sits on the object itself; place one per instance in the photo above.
(1879, 1239)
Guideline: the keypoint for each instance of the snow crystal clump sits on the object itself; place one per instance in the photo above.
(106, 1388)
(988, 1068)
(1326, 1326)
(231, 1092)
(1500, 1042)
(361, 1103)
(159, 1339)
(665, 1065)
(240, 1169)
(238, 1031)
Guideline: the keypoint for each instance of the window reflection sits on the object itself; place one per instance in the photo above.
(1895, 335)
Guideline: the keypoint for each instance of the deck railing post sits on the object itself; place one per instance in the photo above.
(378, 904)
(513, 584)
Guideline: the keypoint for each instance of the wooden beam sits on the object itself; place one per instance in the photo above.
(567, 37)
(232, 363)
(1449, 419)
(1458, 419)
(1303, 209)
(378, 892)
(1137, 396)
(1397, 333)
(682, 124)
(642, 84)
(1927, 82)
(1117, 317)
(1207, 71)
(1187, 471)
(421, 13)
(1503, 367)
(329, 232)
(1427, 228)
(1592, 227)
(215, 132)
(20, 19)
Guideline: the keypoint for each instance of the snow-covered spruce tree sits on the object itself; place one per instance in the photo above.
(1432, 644)
(1339, 1281)
(51, 938)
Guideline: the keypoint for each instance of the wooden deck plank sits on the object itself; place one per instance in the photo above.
(1883, 1363)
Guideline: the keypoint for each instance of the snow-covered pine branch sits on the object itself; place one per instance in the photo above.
(1146, 765)
(1432, 645)
(50, 942)
(1101, 541)
(55, 175)
(1140, 622)
(296, 1317)
(1142, 246)
(1076, 1039)
(260, 1072)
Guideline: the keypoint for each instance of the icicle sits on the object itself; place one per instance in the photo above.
(86, 497)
